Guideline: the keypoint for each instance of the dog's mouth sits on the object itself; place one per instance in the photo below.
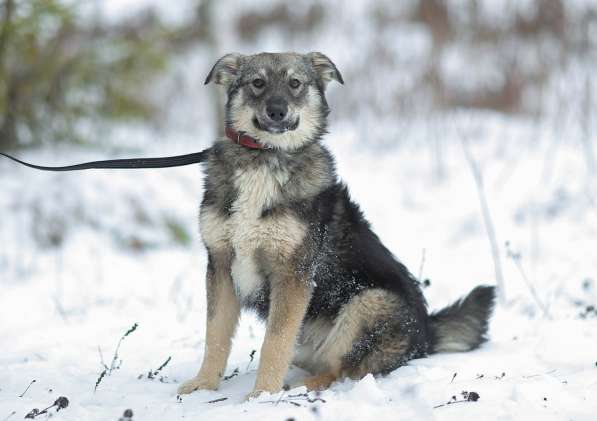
(275, 127)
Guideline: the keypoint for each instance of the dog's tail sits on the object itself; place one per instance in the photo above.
(462, 326)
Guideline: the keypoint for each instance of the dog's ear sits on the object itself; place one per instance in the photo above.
(225, 70)
(324, 67)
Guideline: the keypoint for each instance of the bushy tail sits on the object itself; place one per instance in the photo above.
(462, 326)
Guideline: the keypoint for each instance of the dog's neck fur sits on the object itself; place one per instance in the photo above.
(292, 175)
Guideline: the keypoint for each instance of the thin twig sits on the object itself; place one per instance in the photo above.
(231, 375)
(60, 403)
(421, 266)
(115, 357)
(108, 370)
(217, 400)
(516, 259)
(160, 368)
(467, 397)
(25, 391)
(101, 355)
(586, 120)
(537, 375)
(9, 415)
(251, 357)
(280, 397)
(99, 379)
(291, 399)
(450, 403)
(285, 401)
(487, 220)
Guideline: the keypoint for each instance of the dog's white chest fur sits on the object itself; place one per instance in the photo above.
(258, 189)
(245, 230)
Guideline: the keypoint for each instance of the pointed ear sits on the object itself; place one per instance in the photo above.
(225, 70)
(324, 67)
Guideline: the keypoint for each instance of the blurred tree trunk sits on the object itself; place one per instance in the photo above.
(205, 10)
(8, 138)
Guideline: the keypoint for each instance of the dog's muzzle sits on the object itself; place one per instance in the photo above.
(276, 127)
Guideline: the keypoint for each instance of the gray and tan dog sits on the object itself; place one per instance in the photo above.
(285, 239)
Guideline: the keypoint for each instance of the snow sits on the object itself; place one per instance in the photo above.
(117, 264)
(84, 256)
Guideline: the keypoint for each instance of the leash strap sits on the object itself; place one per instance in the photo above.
(131, 163)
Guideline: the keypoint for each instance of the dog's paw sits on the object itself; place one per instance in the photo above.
(253, 395)
(196, 383)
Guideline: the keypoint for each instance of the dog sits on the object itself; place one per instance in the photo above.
(285, 239)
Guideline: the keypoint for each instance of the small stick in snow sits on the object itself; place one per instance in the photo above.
(516, 258)
(282, 394)
(115, 357)
(101, 355)
(542, 374)
(151, 374)
(467, 397)
(113, 365)
(251, 356)
(10, 415)
(25, 391)
(453, 377)
(285, 401)
(487, 220)
(421, 266)
(60, 403)
(292, 399)
(99, 379)
(160, 368)
(217, 400)
(231, 375)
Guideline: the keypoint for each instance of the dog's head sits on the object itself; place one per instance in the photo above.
(278, 98)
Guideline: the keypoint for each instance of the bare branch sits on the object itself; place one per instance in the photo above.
(487, 220)
(516, 259)
(422, 266)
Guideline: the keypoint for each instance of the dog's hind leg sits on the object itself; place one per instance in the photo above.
(346, 351)
(223, 310)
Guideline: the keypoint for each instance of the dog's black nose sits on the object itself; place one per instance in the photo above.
(276, 108)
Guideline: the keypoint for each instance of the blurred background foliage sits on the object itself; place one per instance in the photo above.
(59, 71)
(64, 71)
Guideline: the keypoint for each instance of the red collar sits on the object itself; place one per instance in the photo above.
(244, 139)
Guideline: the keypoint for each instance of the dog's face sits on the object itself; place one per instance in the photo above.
(278, 98)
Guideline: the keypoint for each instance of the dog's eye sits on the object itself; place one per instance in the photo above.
(294, 83)
(258, 83)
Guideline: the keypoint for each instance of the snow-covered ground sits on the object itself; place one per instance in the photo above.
(84, 256)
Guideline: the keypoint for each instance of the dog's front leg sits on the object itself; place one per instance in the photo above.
(223, 310)
(289, 299)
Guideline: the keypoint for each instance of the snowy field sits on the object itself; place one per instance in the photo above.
(84, 256)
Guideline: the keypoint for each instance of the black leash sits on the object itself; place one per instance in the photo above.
(165, 162)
